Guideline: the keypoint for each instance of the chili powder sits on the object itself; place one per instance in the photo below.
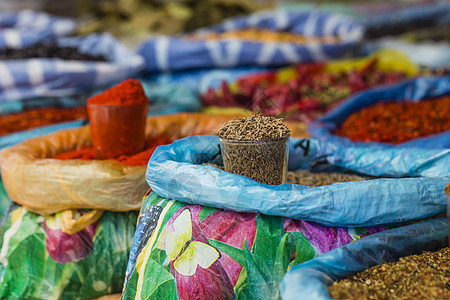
(33, 118)
(139, 159)
(398, 122)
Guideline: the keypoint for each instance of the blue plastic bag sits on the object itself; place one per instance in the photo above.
(26, 27)
(311, 278)
(412, 90)
(30, 78)
(179, 53)
(174, 172)
(164, 99)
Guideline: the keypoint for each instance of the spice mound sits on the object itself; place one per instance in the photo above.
(127, 92)
(304, 177)
(270, 36)
(139, 159)
(33, 118)
(425, 276)
(48, 50)
(398, 122)
(254, 128)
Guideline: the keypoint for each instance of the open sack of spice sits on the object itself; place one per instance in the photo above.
(414, 113)
(401, 184)
(306, 91)
(420, 276)
(26, 27)
(183, 251)
(269, 38)
(65, 65)
(24, 119)
(74, 254)
(60, 170)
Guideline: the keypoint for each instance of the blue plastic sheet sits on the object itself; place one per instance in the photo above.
(179, 53)
(416, 16)
(26, 27)
(174, 172)
(164, 99)
(310, 279)
(31, 78)
(412, 90)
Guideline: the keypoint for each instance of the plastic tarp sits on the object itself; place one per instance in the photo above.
(164, 99)
(185, 251)
(412, 90)
(38, 260)
(310, 279)
(27, 27)
(181, 53)
(174, 172)
(30, 78)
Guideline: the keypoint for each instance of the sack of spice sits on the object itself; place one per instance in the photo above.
(24, 119)
(26, 27)
(412, 187)
(67, 66)
(73, 180)
(183, 251)
(57, 257)
(313, 277)
(252, 41)
(306, 91)
(414, 113)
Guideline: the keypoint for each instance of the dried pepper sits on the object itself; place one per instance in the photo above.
(33, 118)
(303, 98)
(265, 35)
(398, 122)
(139, 159)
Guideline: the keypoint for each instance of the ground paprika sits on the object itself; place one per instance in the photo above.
(139, 159)
(117, 120)
(398, 122)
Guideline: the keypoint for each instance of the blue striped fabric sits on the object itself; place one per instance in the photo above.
(177, 53)
(30, 78)
(26, 27)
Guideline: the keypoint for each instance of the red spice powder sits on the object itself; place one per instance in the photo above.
(139, 159)
(33, 118)
(127, 92)
(398, 122)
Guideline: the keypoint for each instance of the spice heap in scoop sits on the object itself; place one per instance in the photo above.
(254, 128)
(118, 118)
(256, 147)
(425, 276)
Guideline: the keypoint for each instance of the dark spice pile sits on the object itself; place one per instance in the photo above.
(398, 122)
(139, 159)
(254, 128)
(425, 276)
(48, 50)
(39, 117)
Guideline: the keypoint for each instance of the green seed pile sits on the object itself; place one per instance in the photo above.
(254, 128)
(304, 177)
(425, 276)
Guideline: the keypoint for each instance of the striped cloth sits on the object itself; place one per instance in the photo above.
(26, 27)
(177, 53)
(29, 78)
